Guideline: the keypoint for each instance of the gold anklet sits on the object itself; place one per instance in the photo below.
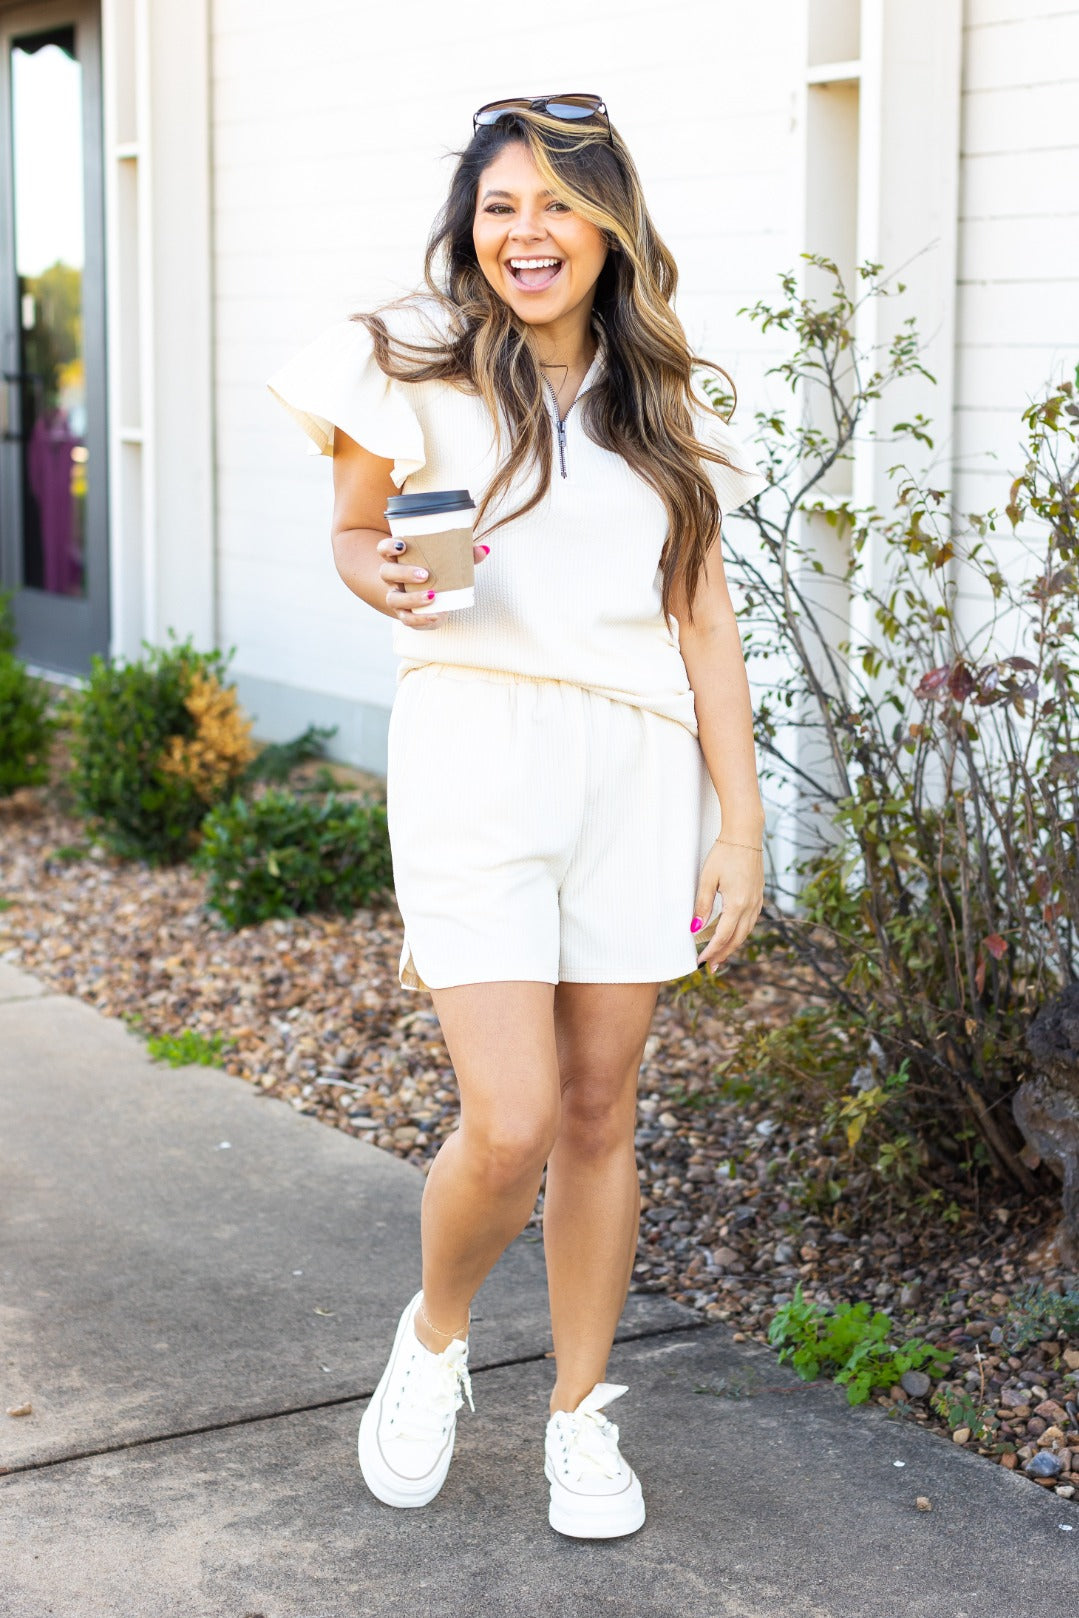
(437, 1329)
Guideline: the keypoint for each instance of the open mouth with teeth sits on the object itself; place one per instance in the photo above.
(535, 273)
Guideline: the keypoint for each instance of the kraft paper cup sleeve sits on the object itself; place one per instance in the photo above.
(448, 558)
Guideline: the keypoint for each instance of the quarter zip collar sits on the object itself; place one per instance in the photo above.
(587, 381)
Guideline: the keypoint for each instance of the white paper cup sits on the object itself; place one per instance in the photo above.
(437, 528)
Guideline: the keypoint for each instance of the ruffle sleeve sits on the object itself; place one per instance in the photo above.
(335, 381)
(739, 482)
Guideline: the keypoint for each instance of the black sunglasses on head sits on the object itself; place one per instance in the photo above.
(570, 108)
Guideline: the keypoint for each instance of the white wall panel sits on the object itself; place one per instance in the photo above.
(1012, 185)
(1030, 250)
(1022, 117)
(1005, 310)
(1002, 376)
(1009, 13)
(1024, 49)
(1018, 293)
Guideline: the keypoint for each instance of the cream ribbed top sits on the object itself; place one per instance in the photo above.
(572, 590)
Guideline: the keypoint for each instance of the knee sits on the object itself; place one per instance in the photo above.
(509, 1153)
(598, 1115)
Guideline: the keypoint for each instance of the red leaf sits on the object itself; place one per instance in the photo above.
(930, 684)
(961, 682)
(979, 973)
(995, 945)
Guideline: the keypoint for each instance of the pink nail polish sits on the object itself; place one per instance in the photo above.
(430, 595)
(486, 549)
(696, 924)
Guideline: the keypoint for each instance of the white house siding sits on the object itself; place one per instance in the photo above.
(330, 126)
(1017, 315)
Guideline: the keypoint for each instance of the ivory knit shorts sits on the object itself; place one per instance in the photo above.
(542, 832)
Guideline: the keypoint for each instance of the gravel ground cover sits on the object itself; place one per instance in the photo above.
(311, 1011)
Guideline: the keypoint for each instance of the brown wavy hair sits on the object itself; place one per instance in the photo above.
(642, 405)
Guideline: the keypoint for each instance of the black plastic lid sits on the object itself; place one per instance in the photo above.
(431, 504)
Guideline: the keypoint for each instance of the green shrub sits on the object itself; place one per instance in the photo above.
(852, 1344)
(280, 855)
(25, 727)
(155, 744)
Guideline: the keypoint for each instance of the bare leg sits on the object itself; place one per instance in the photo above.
(592, 1200)
(482, 1186)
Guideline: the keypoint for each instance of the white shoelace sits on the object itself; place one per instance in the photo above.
(434, 1388)
(588, 1442)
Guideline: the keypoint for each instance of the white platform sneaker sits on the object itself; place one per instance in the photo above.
(408, 1429)
(595, 1494)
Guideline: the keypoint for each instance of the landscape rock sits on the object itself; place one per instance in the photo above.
(1043, 1465)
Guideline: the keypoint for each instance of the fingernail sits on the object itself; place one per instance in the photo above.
(486, 549)
(696, 924)
(399, 545)
(430, 595)
(419, 572)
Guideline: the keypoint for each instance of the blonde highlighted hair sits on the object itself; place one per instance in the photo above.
(641, 407)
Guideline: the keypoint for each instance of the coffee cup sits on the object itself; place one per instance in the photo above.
(438, 530)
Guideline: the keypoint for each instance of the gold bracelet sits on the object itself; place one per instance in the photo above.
(731, 844)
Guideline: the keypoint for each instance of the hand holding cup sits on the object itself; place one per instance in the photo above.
(431, 540)
(409, 589)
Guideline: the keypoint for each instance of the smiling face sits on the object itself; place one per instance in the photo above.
(539, 256)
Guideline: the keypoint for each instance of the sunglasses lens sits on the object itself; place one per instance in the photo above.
(573, 107)
(495, 110)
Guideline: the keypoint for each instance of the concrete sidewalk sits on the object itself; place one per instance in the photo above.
(199, 1288)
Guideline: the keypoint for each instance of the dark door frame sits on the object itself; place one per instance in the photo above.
(57, 632)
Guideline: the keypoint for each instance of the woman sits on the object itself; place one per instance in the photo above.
(557, 753)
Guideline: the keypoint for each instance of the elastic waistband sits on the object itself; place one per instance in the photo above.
(469, 674)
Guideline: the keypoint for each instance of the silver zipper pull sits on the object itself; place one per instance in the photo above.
(562, 445)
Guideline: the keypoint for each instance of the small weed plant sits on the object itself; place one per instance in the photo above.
(959, 1408)
(851, 1343)
(189, 1048)
(1036, 1314)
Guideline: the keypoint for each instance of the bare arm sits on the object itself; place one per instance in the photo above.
(360, 535)
(711, 649)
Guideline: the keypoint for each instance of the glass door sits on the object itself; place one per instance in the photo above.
(53, 448)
